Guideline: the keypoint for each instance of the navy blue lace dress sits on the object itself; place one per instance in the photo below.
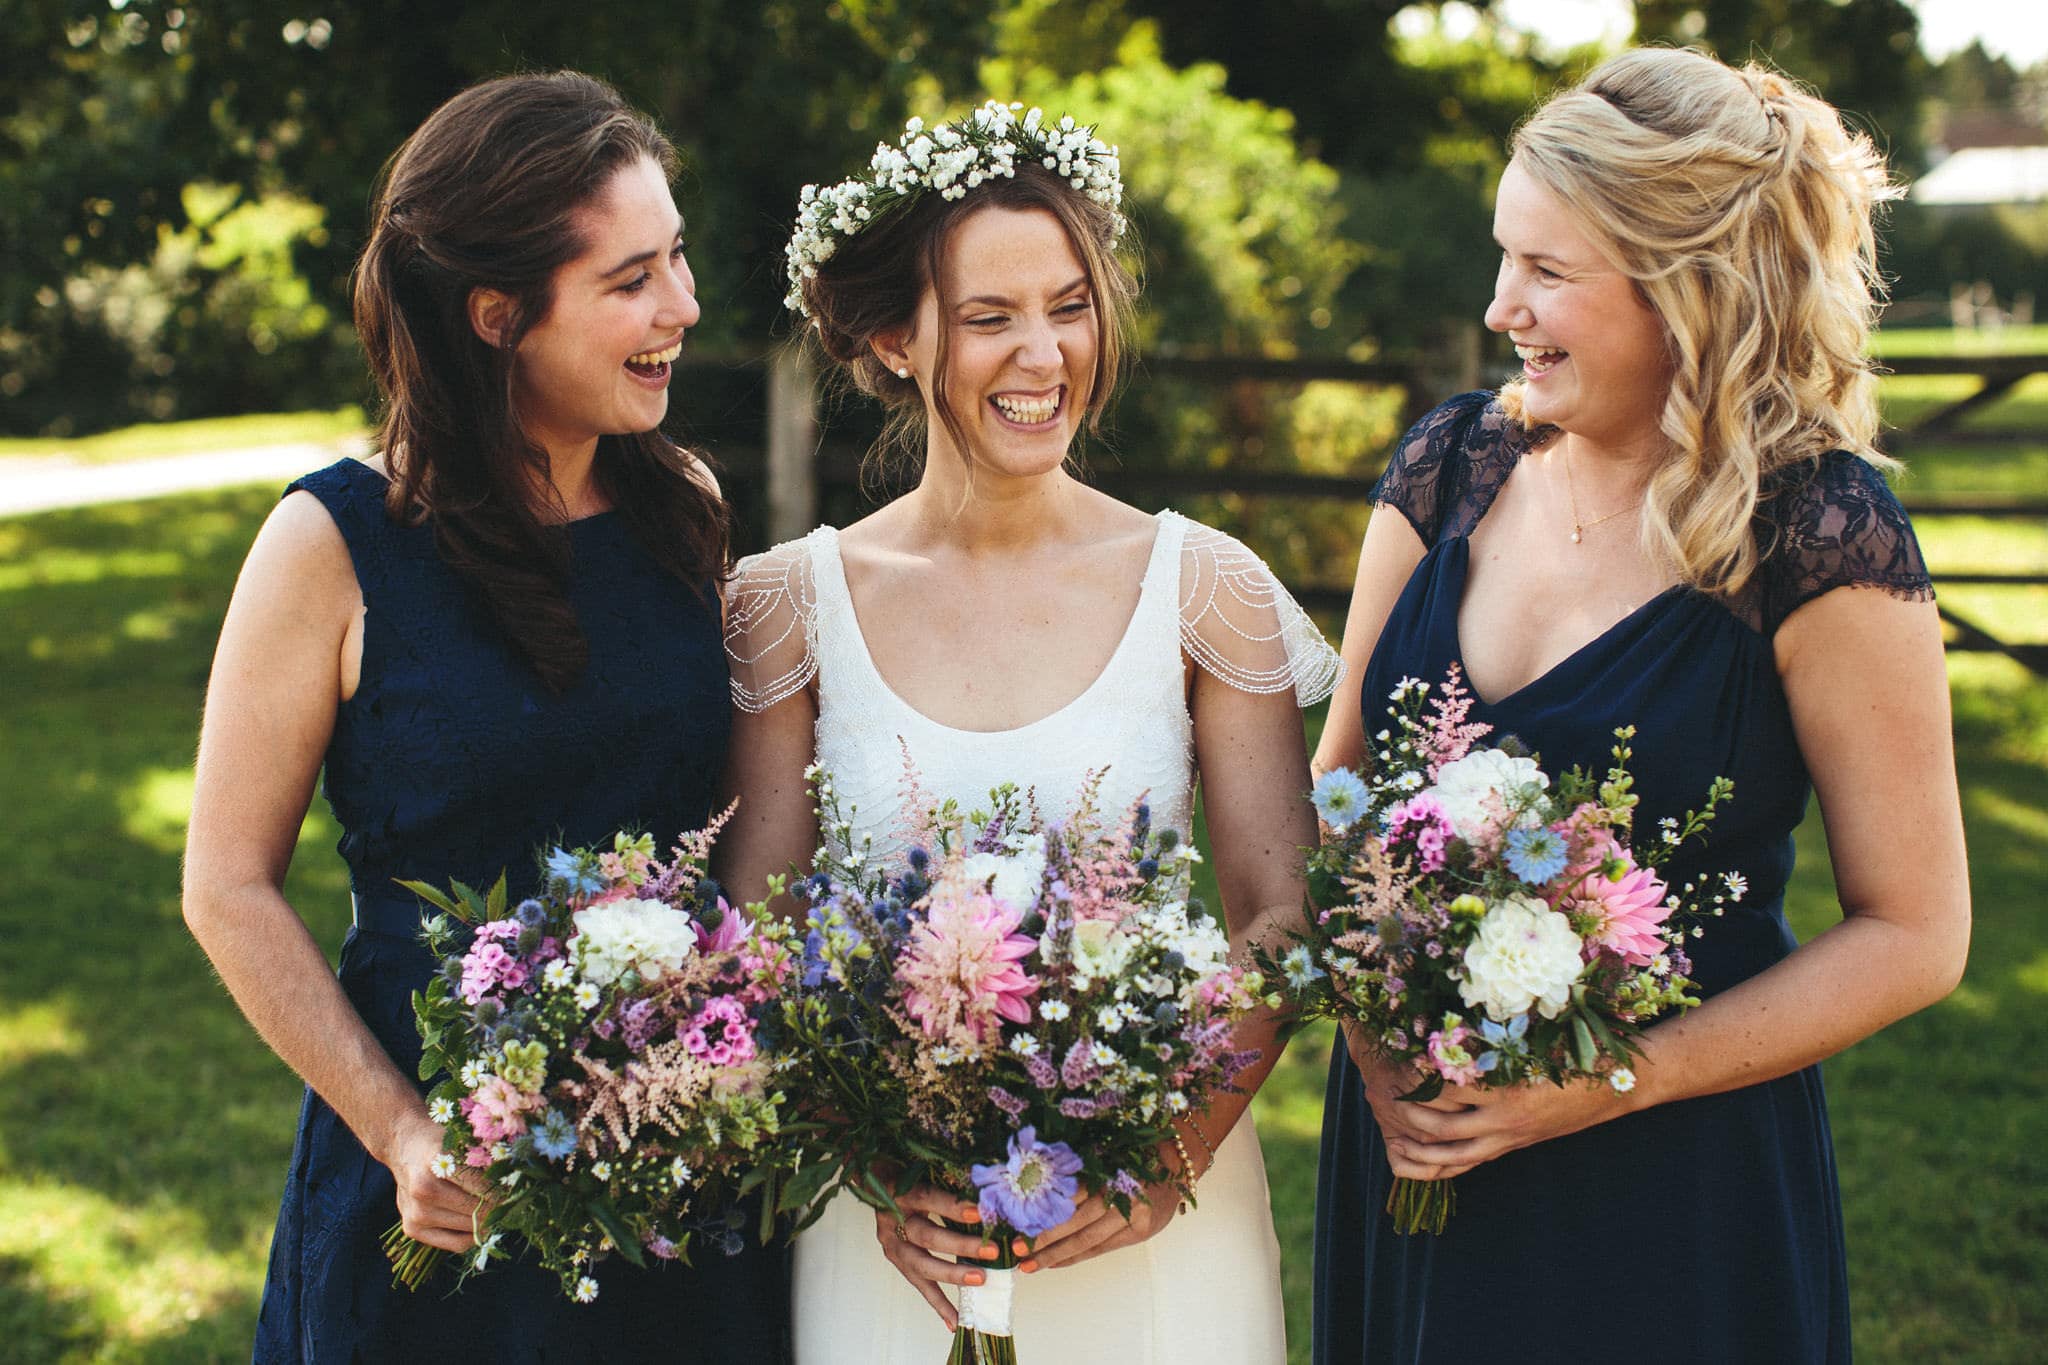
(1707, 1230)
(453, 760)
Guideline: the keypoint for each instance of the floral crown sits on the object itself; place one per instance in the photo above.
(952, 158)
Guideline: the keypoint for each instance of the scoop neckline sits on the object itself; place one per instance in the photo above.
(829, 538)
(384, 481)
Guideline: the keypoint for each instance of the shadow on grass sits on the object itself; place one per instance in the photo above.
(31, 1312)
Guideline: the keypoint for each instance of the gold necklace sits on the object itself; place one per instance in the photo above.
(1579, 528)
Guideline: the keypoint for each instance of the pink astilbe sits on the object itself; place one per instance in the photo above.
(960, 969)
(1627, 914)
(661, 1088)
(1448, 736)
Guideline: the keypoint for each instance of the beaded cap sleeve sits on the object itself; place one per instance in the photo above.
(1443, 473)
(771, 625)
(1242, 627)
(1835, 524)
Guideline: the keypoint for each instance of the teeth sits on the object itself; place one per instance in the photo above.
(1537, 352)
(1028, 410)
(656, 357)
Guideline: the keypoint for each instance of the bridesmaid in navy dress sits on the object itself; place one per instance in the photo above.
(1674, 519)
(501, 634)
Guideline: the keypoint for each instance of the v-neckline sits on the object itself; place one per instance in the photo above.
(1095, 684)
(1463, 545)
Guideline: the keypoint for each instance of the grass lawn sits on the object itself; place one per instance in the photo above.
(157, 439)
(145, 1128)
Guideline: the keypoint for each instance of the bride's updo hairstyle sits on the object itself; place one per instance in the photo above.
(872, 282)
(488, 193)
(1741, 207)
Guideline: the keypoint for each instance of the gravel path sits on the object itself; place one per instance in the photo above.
(29, 484)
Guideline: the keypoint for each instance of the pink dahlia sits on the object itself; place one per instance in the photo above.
(731, 931)
(962, 971)
(1629, 913)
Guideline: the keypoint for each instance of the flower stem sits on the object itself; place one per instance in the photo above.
(411, 1262)
(1421, 1205)
(971, 1347)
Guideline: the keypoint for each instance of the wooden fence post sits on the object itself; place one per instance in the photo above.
(792, 446)
(1451, 365)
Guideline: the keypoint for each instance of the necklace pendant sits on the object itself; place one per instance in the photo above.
(1575, 535)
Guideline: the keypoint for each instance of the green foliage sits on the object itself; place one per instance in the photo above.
(1241, 231)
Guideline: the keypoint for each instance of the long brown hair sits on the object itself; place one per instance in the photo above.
(485, 194)
(874, 282)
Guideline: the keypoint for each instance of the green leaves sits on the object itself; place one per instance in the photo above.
(606, 1216)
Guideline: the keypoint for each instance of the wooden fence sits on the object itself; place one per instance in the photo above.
(798, 461)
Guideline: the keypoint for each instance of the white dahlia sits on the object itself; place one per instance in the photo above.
(1524, 955)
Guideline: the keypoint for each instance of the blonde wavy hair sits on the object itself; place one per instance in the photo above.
(1741, 207)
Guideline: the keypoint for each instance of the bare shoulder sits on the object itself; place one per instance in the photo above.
(299, 559)
(1116, 522)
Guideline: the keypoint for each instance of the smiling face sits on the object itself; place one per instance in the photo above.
(1022, 335)
(1594, 354)
(598, 364)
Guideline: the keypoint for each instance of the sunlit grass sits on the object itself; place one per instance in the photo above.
(151, 440)
(145, 1128)
(2032, 340)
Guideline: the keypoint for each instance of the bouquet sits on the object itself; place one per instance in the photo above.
(606, 1058)
(1485, 925)
(1021, 1008)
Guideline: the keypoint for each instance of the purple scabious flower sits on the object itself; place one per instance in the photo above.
(1126, 1184)
(1032, 1192)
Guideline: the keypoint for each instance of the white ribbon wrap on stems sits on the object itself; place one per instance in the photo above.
(985, 1308)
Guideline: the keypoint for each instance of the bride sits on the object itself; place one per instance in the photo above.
(1002, 621)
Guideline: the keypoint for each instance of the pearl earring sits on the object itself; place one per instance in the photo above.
(903, 372)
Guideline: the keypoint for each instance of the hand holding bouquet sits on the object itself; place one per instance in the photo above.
(1022, 1009)
(606, 1059)
(1485, 925)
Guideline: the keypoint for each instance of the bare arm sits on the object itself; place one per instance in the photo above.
(1386, 559)
(279, 672)
(1253, 760)
(1883, 766)
(776, 824)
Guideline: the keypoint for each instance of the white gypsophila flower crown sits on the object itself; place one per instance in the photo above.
(952, 158)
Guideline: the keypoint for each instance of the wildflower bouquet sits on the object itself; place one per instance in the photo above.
(1484, 925)
(606, 1058)
(1021, 1008)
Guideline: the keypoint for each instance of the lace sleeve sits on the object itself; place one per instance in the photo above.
(1836, 525)
(771, 608)
(1420, 473)
(1240, 625)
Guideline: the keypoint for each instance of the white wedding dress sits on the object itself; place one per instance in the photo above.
(1206, 1288)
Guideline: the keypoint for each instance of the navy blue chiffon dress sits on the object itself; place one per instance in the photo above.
(1707, 1230)
(453, 760)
